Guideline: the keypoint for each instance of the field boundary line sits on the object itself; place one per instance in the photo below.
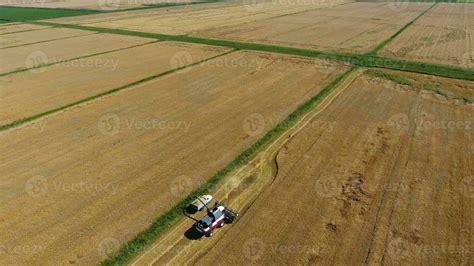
(77, 58)
(21, 31)
(379, 47)
(363, 60)
(130, 249)
(105, 93)
(64, 38)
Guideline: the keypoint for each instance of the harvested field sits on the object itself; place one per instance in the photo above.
(444, 35)
(39, 90)
(355, 27)
(34, 55)
(365, 187)
(29, 37)
(87, 4)
(19, 27)
(367, 181)
(191, 19)
(137, 152)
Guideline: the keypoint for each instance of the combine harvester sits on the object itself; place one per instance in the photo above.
(216, 217)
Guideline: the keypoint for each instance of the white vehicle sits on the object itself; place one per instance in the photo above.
(199, 203)
(215, 218)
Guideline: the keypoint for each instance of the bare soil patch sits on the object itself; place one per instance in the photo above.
(138, 152)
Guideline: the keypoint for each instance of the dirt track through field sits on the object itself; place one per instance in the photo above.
(105, 170)
(37, 36)
(64, 83)
(239, 191)
(34, 55)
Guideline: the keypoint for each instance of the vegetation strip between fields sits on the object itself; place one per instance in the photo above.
(369, 61)
(133, 247)
(135, 83)
(391, 38)
(76, 58)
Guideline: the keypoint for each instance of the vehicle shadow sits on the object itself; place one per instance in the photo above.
(193, 234)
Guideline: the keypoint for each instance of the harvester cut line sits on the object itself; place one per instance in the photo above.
(261, 165)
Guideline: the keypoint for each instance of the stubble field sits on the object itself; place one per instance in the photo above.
(444, 35)
(130, 150)
(37, 36)
(64, 83)
(34, 55)
(368, 180)
(191, 19)
(88, 4)
(353, 27)
(377, 169)
(11, 28)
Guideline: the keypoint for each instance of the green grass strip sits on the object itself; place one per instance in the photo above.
(76, 58)
(9, 13)
(32, 118)
(391, 38)
(21, 13)
(415, 84)
(133, 247)
(355, 59)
